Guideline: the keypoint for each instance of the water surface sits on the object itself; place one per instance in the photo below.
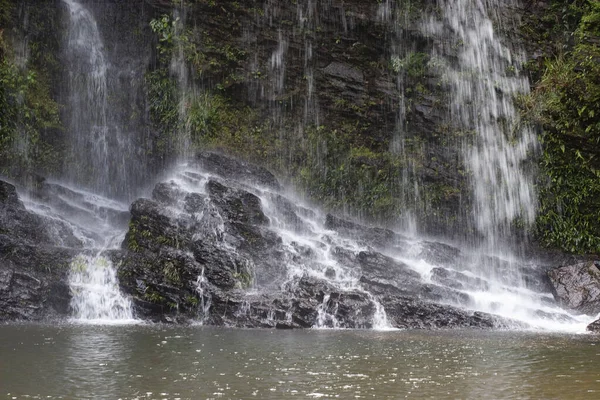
(164, 362)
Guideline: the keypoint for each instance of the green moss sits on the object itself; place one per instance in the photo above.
(343, 175)
(151, 296)
(413, 65)
(131, 238)
(243, 278)
(171, 273)
(192, 301)
(345, 163)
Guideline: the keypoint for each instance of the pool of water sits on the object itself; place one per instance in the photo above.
(174, 362)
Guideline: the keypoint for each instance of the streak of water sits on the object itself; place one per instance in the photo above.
(484, 82)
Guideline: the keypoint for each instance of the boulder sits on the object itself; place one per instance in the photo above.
(577, 286)
(179, 254)
(594, 326)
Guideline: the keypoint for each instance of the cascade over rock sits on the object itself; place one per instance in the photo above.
(229, 247)
(50, 266)
(216, 248)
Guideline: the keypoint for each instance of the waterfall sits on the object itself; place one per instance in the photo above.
(409, 184)
(88, 100)
(105, 117)
(95, 224)
(482, 76)
(484, 82)
(205, 298)
(101, 158)
(96, 296)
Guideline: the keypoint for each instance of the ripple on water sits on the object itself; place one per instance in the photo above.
(155, 362)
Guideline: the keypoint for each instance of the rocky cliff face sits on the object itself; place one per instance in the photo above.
(324, 82)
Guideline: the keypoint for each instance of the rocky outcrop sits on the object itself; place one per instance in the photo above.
(223, 246)
(594, 326)
(577, 286)
(33, 261)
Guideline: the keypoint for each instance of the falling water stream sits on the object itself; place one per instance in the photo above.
(88, 100)
(97, 155)
(484, 81)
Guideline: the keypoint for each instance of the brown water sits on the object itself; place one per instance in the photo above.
(158, 362)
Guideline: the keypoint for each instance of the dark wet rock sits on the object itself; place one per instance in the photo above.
(237, 206)
(173, 259)
(19, 223)
(594, 327)
(415, 314)
(383, 275)
(33, 280)
(577, 286)
(376, 237)
(167, 193)
(536, 279)
(343, 309)
(194, 203)
(231, 168)
(439, 253)
(156, 267)
(458, 280)
(34, 263)
(289, 213)
(344, 71)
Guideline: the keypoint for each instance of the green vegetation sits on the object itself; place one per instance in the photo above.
(566, 103)
(29, 121)
(341, 174)
(152, 296)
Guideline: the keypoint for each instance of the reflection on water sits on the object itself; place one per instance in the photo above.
(158, 362)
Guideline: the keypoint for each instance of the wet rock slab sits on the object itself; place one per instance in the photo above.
(577, 286)
(33, 262)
